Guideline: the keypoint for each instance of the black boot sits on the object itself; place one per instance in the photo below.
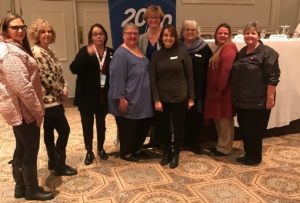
(167, 156)
(33, 191)
(18, 177)
(51, 157)
(61, 169)
(175, 160)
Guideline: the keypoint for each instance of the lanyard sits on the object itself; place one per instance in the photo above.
(101, 61)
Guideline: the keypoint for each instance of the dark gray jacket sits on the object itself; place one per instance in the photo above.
(251, 75)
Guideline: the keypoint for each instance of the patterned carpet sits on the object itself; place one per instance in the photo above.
(199, 178)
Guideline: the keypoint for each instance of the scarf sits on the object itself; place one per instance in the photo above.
(197, 45)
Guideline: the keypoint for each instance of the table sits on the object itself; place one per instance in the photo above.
(287, 106)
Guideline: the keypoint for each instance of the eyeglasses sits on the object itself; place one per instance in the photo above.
(131, 33)
(153, 17)
(16, 28)
(98, 34)
(190, 30)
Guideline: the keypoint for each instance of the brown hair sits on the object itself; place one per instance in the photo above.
(4, 30)
(253, 25)
(90, 35)
(173, 32)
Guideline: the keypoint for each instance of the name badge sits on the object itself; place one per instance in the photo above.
(102, 80)
(198, 55)
(173, 57)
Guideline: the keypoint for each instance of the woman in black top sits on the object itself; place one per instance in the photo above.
(255, 75)
(92, 68)
(173, 91)
(200, 54)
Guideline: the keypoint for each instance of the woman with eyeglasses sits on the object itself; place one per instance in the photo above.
(200, 54)
(129, 96)
(173, 92)
(148, 42)
(21, 105)
(91, 65)
(55, 90)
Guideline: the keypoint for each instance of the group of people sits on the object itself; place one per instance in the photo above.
(160, 84)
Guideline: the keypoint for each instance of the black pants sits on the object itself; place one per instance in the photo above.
(27, 143)
(87, 122)
(193, 129)
(55, 119)
(253, 124)
(132, 133)
(175, 111)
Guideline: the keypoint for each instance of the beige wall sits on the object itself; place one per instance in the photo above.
(209, 13)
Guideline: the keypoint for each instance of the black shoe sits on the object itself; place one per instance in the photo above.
(65, 170)
(130, 158)
(102, 154)
(167, 157)
(38, 193)
(33, 191)
(215, 152)
(89, 158)
(241, 159)
(251, 162)
(174, 161)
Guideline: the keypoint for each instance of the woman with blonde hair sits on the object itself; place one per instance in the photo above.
(149, 43)
(55, 89)
(200, 54)
(218, 102)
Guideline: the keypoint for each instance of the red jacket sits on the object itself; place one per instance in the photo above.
(218, 103)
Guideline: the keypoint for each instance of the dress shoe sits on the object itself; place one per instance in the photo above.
(215, 152)
(241, 159)
(174, 161)
(251, 162)
(89, 158)
(130, 158)
(65, 170)
(102, 154)
(167, 157)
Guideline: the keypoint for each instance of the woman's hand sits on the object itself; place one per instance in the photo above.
(270, 101)
(158, 106)
(190, 103)
(39, 121)
(91, 49)
(270, 97)
(123, 105)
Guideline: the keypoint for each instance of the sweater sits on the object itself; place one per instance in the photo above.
(51, 73)
(89, 96)
(171, 75)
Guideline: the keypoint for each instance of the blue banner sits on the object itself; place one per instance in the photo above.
(124, 11)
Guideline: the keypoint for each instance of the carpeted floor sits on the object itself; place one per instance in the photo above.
(199, 178)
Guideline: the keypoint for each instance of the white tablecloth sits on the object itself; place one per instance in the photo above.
(287, 106)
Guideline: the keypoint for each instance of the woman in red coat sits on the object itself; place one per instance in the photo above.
(218, 104)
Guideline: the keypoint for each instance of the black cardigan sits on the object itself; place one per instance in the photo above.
(88, 95)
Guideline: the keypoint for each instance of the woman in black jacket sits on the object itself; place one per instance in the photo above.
(200, 54)
(91, 65)
(255, 75)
